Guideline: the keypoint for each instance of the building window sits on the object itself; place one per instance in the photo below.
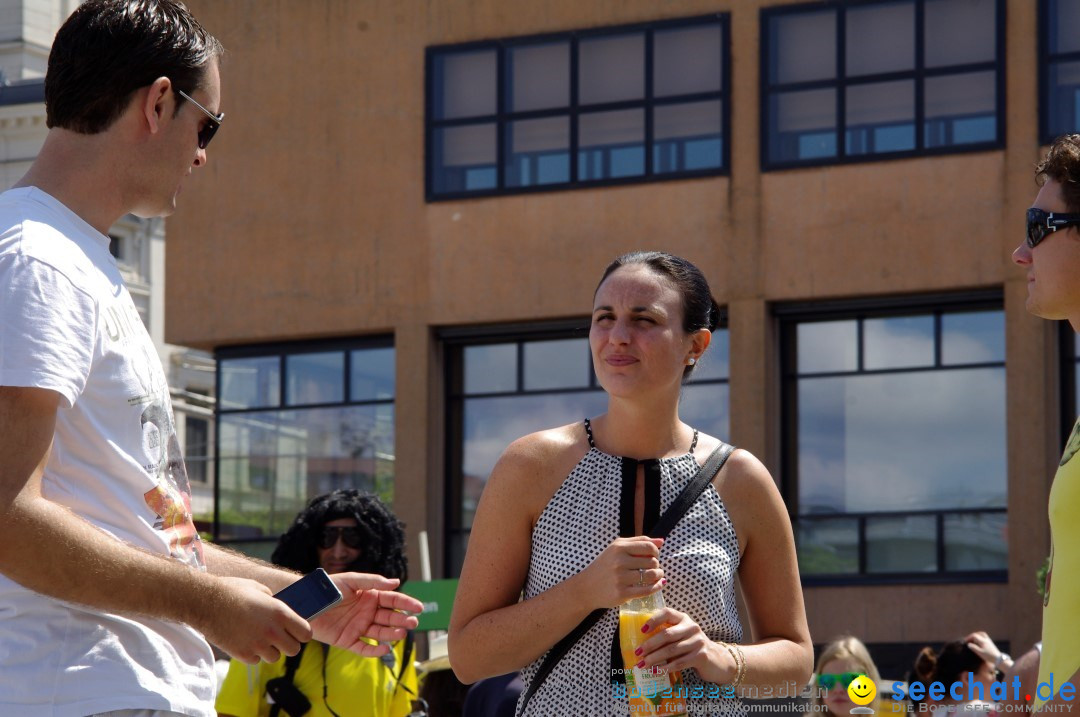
(895, 444)
(622, 104)
(505, 384)
(196, 447)
(860, 81)
(295, 422)
(1059, 68)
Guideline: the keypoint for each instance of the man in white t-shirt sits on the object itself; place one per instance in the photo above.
(106, 591)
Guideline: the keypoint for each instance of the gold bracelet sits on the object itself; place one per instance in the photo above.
(735, 658)
(742, 668)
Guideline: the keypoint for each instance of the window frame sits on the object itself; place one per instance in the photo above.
(1046, 60)
(789, 316)
(453, 342)
(503, 117)
(282, 351)
(841, 83)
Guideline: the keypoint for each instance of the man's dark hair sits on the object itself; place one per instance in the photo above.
(1062, 164)
(700, 310)
(108, 49)
(383, 548)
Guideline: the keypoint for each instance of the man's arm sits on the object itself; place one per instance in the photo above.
(48, 549)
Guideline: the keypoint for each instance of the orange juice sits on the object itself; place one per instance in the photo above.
(652, 691)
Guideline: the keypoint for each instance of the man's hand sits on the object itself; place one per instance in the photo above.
(251, 625)
(368, 609)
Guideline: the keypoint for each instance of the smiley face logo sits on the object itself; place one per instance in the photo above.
(862, 690)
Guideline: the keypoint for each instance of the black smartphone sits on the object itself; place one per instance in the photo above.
(311, 594)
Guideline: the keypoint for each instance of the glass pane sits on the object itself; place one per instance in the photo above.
(705, 407)
(250, 382)
(1064, 16)
(464, 158)
(714, 364)
(898, 342)
(1063, 97)
(372, 374)
(901, 545)
(687, 137)
(465, 84)
(611, 69)
(880, 38)
(959, 32)
(687, 60)
(973, 337)
(315, 378)
(828, 547)
(976, 542)
(556, 364)
(491, 424)
(540, 77)
(802, 46)
(880, 118)
(856, 436)
(802, 125)
(273, 462)
(539, 152)
(611, 144)
(827, 346)
(490, 369)
(961, 109)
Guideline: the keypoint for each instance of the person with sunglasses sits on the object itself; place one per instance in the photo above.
(108, 596)
(345, 530)
(841, 661)
(1050, 256)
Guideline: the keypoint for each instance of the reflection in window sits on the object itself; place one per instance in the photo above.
(516, 386)
(276, 455)
(578, 108)
(898, 427)
(824, 100)
(1060, 68)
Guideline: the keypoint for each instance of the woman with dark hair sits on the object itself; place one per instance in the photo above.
(964, 668)
(563, 520)
(342, 531)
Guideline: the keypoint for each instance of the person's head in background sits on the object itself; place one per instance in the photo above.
(955, 662)
(841, 661)
(346, 530)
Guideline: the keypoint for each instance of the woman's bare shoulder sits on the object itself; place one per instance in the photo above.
(535, 465)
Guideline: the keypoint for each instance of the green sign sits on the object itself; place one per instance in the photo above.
(438, 599)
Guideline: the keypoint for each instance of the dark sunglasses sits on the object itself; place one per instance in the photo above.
(330, 534)
(1040, 224)
(830, 680)
(206, 133)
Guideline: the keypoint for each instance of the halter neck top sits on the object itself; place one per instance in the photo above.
(593, 507)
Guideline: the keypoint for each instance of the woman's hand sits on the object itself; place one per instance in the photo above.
(627, 568)
(678, 643)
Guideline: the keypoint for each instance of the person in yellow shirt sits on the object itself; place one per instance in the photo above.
(1050, 254)
(340, 531)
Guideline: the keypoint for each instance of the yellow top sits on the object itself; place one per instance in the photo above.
(355, 686)
(1061, 607)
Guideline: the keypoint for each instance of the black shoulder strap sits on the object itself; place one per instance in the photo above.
(292, 662)
(668, 520)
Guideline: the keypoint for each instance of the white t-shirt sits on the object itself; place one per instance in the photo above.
(67, 323)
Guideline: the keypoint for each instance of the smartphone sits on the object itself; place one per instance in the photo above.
(311, 594)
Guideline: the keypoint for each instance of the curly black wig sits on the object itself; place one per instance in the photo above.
(383, 550)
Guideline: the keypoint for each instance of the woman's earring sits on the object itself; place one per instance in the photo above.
(691, 361)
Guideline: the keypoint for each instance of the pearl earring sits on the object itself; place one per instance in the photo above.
(691, 361)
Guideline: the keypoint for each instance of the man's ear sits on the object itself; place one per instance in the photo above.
(159, 99)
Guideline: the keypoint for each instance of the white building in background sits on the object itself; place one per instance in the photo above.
(27, 28)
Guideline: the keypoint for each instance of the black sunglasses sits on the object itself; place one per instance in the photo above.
(206, 133)
(331, 533)
(1040, 224)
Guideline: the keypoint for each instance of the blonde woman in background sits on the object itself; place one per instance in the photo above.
(842, 660)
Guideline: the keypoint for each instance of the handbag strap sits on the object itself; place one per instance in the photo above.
(291, 663)
(663, 527)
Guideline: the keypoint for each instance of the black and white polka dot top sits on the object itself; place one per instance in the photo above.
(593, 507)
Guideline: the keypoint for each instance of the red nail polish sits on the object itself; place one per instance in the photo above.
(638, 652)
(641, 664)
(664, 581)
(645, 627)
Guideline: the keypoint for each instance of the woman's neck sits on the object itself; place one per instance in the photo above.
(639, 431)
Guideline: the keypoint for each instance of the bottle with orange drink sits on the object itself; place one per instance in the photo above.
(651, 690)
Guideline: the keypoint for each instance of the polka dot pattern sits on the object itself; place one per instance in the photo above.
(700, 558)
